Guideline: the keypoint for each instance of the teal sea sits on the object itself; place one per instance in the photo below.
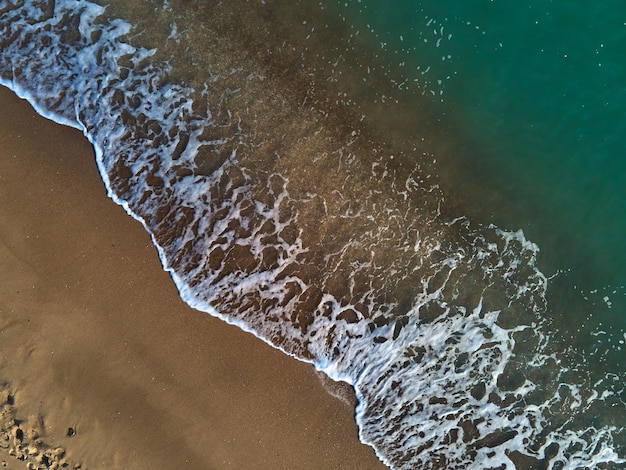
(426, 200)
(536, 91)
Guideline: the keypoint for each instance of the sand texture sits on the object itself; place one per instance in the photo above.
(101, 364)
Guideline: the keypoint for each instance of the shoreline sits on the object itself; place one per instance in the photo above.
(95, 338)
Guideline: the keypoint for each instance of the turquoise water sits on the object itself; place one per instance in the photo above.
(536, 91)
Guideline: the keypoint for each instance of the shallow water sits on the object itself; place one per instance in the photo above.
(332, 178)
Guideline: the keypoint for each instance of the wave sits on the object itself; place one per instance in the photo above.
(278, 210)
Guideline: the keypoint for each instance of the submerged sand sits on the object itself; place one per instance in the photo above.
(101, 363)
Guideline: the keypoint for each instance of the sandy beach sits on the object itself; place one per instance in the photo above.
(102, 366)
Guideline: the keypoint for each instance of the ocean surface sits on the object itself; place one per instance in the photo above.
(424, 199)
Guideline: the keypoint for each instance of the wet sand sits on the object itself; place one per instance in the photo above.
(100, 357)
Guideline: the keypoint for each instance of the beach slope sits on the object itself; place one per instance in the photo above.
(101, 363)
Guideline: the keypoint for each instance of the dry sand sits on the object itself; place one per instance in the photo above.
(95, 342)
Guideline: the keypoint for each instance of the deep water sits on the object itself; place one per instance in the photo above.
(535, 93)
